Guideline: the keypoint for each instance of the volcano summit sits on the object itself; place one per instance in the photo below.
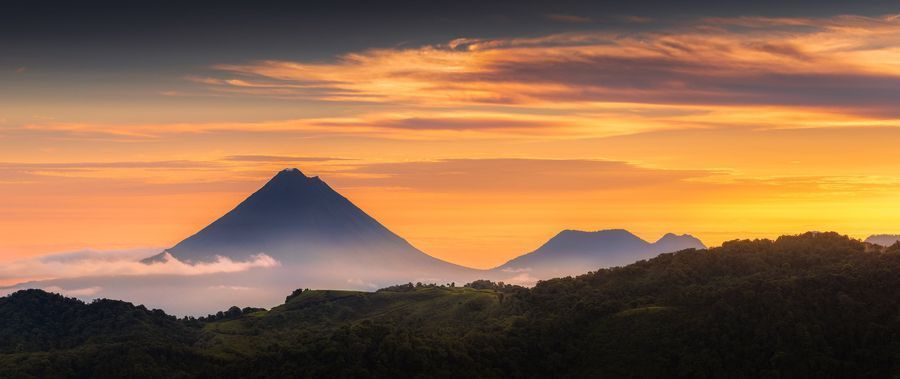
(298, 219)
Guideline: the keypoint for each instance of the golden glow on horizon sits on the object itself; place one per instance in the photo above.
(477, 150)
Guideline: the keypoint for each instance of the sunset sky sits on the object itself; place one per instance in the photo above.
(475, 131)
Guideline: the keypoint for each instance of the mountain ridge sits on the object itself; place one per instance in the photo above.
(572, 251)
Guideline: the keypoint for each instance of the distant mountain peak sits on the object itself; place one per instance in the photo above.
(571, 238)
(883, 239)
(676, 237)
(570, 233)
(290, 174)
(292, 185)
(674, 242)
(298, 219)
(575, 251)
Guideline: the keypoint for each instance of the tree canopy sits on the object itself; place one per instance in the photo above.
(810, 305)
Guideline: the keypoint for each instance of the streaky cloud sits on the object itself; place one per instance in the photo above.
(121, 263)
(280, 158)
(839, 62)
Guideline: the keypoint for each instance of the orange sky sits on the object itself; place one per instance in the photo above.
(478, 150)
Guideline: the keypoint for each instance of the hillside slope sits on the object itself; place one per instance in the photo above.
(813, 305)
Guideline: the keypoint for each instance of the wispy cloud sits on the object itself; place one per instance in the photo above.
(362, 283)
(568, 18)
(636, 19)
(522, 279)
(234, 169)
(169, 165)
(560, 176)
(519, 175)
(847, 63)
(120, 263)
(279, 158)
(409, 124)
(74, 292)
(716, 72)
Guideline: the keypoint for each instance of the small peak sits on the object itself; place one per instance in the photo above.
(619, 233)
(686, 239)
(614, 233)
(568, 234)
(288, 174)
(292, 171)
(293, 179)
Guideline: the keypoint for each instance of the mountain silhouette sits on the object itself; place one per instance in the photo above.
(672, 242)
(319, 239)
(883, 239)
(298, 219)
(572, 252)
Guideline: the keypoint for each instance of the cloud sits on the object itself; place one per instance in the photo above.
(191, 170)
(701, 73)
(516, 270)
(568, 18)
(131, 177)
(168, 165)
(75, 292)
(410, 124)
(636, 19)
(230, 288)
(846, 63)
(279, 158)
(459, 123)
(523, 279)
(120, 263)
(520, 175)
(704, 73)
(229, 173)
(361, 283)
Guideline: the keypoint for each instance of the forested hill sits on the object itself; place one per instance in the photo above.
(813, 305)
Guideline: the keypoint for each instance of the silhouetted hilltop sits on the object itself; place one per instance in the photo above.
(671, 242)
(883, 239)
(34, 320)
(572, 251)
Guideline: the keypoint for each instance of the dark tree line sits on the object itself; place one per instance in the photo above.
(811, 305)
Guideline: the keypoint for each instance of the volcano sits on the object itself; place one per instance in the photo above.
(306, 234)
(300, 220)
